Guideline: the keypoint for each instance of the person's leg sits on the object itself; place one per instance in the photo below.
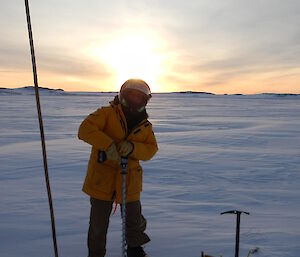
(99, 220)
(135, 225)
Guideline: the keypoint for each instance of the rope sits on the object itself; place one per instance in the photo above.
(41, 125)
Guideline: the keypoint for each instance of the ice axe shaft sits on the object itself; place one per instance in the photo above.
(237, 235)
(124, 162)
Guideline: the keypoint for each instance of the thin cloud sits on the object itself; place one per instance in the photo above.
(214, 41)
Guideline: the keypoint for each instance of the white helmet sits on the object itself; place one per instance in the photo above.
(137, 84)
(134, 95)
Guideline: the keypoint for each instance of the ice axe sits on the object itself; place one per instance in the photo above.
(238, 220)
(124, 161)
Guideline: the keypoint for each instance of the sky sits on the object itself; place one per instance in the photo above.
(218, 46)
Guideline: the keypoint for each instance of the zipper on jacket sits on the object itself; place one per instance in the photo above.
(123, 123)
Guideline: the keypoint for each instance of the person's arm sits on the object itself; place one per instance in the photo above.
(146, 150)
(91, 130)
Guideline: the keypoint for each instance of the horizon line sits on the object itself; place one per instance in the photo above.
(166, 92)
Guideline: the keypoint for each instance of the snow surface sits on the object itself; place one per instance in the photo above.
(216, 153)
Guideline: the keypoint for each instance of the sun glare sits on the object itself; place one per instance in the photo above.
(132, 55)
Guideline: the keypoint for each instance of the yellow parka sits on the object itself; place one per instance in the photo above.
(100, 129)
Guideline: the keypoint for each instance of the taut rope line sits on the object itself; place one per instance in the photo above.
(41, 125)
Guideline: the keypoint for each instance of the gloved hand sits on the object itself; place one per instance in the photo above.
(112, 153)
(125, 148)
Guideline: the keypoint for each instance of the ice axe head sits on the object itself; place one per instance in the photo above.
(235, 212)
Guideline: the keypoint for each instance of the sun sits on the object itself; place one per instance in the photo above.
(132, 55)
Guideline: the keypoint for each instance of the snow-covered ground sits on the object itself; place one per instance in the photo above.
(216, 153)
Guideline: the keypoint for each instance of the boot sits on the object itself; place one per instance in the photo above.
(136, 252)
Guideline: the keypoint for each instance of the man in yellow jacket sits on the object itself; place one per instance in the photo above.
(120, 129)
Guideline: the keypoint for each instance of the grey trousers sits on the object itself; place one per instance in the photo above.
(99, 221)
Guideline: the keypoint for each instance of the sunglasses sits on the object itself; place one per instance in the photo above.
(133, 100)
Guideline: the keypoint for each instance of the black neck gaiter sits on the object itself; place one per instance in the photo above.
(132, 118)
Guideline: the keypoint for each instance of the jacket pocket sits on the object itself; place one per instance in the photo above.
(135, 180)
(103, 178)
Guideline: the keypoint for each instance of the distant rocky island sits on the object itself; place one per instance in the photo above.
(281, 94)
(43, 88)
(194, 92)
(28, 90)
